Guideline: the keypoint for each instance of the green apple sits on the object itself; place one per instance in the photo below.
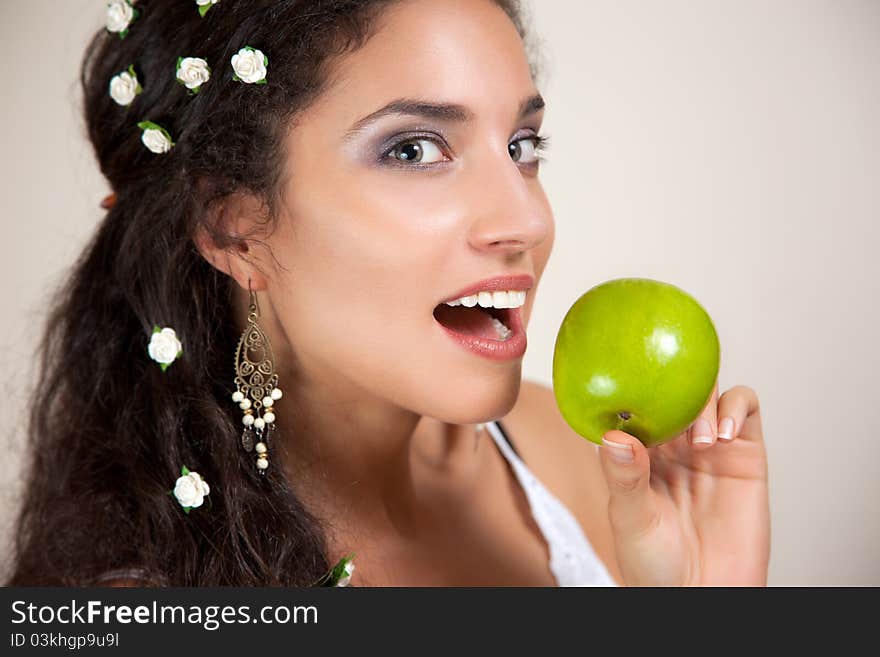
(637, 355)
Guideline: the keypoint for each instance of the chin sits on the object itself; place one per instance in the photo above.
(489, 400)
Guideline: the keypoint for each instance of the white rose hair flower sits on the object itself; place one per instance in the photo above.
(120, 15)
(342, 572)
(155, 137)
(205, 5)
(347, 571)
(250, 65)
(192, 72)
(125, 86)
(190, 489)
(164, 347)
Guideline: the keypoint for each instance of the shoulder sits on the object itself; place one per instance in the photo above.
(122, 583)
(566, 463)
(547, 444)
(128, 577)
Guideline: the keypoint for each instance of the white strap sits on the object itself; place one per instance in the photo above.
(572, 559)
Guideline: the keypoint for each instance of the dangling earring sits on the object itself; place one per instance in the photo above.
(257, 386)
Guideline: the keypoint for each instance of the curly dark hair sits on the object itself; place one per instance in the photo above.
(109, 430)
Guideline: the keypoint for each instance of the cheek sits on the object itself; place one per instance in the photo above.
(356, 274)
(540, 256)
(546, 247)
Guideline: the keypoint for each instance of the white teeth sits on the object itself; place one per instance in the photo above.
(496, 299)
(501, 329)
(501, 299)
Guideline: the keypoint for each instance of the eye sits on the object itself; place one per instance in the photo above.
(531, 154)
(416, 149)
(421, 150)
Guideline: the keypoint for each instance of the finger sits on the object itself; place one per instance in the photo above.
(735, 407)
(632, 506)
(704, 430)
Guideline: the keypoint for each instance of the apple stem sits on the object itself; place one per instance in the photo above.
(624, 416)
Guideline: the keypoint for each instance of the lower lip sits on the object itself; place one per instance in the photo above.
(513, 347)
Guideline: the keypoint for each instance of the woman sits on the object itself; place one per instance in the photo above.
(327, 174)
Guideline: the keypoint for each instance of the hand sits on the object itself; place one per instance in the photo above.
(689, 512)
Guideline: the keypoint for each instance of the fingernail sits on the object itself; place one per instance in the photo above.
(702, 431)
(725, 429)
(622, 454)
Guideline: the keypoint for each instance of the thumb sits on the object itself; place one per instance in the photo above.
(633, 506)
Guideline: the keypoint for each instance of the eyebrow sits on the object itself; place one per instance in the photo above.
(448, 112)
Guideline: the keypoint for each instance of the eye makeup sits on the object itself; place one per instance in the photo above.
(384, 156)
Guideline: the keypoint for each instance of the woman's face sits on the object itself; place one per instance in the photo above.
(375, 237)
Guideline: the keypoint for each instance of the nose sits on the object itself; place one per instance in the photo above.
(510, 212)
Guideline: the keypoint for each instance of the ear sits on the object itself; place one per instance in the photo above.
(221, 237)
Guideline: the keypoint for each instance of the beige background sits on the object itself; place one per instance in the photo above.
(731, 148)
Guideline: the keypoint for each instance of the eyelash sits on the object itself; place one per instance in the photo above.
(542, 142)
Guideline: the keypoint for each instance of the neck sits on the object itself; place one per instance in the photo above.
(351, 455)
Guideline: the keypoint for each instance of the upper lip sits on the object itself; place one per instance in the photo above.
(510, 282)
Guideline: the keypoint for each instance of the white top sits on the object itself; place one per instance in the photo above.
(572, 559)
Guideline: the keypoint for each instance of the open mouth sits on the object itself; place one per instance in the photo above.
(477, 321)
